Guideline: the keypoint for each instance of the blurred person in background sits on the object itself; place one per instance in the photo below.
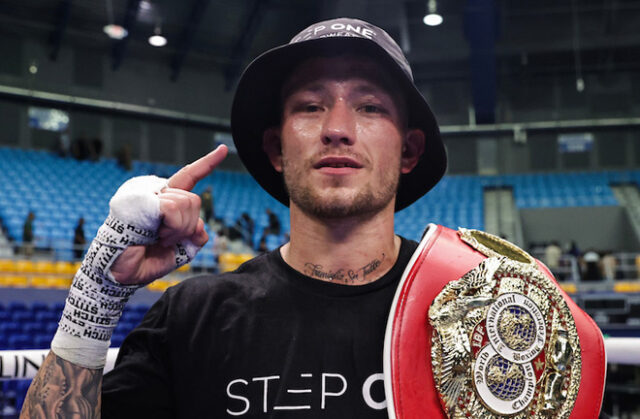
(206, 198)
(552, 255)
(27, 235)
(245, 225)
(78, 239)
(63, 144)
(221, 242)
(574, 250)
(124, 158)
(609, 266)
(273, 226)
(591, 266)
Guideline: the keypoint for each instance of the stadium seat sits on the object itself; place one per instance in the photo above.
(20, 341)
(116, 339)
(24, 266)
(9, 328)
(6, 265)
(17, 281)
(45, 267)
(65, 267)
(42, 341)
(39, 281)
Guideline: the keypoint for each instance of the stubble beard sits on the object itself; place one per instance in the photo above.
(367, 201)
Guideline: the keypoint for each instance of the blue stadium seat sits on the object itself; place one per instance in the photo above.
(14, 306)
(33, 328)
(20, 341)
(116, 339)
(42, 341)
(22, 316)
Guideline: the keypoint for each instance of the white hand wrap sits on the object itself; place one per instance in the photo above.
(96, 300)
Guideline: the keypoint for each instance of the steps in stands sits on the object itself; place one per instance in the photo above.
(6, 248)
(628, 196)
(501, 217)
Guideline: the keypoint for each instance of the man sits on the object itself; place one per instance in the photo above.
(78, 239)
(333, 126)
(27, 235)
(206, 199)
(297, 332)
(552, 256)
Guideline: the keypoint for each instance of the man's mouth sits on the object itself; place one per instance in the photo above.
(337, 163)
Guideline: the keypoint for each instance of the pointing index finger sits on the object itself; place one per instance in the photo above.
(187, 177)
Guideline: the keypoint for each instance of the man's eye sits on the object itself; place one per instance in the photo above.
(371, 109)
(312, 108)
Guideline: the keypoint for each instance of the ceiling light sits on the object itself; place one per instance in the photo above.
(115, 31)
(432, 18)
(157, 40)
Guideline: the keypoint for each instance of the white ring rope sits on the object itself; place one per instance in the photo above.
(24, 364)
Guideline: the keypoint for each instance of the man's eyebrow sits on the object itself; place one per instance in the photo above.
(314, 87)
(370, 88)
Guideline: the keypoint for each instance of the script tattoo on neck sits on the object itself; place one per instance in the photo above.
(341, 275)
(317, 271)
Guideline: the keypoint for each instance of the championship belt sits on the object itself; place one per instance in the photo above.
(479, 328)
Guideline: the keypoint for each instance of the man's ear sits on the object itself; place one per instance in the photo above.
(272, 146)
(412, 149)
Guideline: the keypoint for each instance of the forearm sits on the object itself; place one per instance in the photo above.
(62, 389)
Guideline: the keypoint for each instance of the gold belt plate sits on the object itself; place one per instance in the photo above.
(504, 342)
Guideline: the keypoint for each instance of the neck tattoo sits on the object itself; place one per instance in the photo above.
(347, 276)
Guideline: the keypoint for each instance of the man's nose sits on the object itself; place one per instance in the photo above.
(339, 125)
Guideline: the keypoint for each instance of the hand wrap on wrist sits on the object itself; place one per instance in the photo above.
(95, 301)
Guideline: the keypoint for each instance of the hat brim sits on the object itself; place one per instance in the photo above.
(256, 107)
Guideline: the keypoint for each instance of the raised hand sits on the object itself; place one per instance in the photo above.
(180, 221)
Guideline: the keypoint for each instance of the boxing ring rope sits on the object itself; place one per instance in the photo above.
(24, 364)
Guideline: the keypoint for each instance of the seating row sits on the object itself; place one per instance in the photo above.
(32, 326)
(456, 200)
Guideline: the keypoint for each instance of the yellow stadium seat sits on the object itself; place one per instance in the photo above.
(184, 268)
(627, 286)
(39, 281)
(226, 262)
(6, 265)
(65, 268)
(60, 282)
(18, 281)
(226, 257)
(45, 267)
(25, 266)
(243, 257)
(230, 261)
(4, 280)
(153, 286)
(158, 285)
(569, 288)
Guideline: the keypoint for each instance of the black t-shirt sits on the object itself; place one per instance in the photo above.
(264, 341)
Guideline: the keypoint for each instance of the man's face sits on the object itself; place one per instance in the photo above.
(341, 140)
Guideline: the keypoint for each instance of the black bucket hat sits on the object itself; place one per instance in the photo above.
(256, 105)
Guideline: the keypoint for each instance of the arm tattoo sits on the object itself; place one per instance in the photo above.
(348, 276)
(63, 390)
